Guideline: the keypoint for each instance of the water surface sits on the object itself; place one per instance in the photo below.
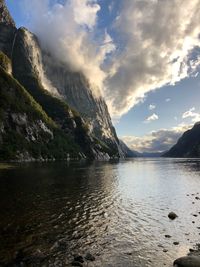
(116, 210)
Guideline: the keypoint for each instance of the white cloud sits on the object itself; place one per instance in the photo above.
(152, 106)
(85, 12)
(156, 141)
(159, 38)
(68, 30)
(153, 117)
(195, 117)
(167, 99)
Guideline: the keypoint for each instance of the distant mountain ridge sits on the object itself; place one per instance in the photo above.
(128, 152)
(66, 97)
(188, 145)
(149, 154)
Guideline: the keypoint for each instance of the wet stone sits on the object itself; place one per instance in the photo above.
(168, 236)
(78, 258)
(188, 261)
(77, 263)
(172, 215)
(89, 257)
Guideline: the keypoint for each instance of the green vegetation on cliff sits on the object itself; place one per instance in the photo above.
(5, 62)
(26, 131)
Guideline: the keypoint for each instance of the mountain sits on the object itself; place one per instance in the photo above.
(7, 30)
(66, 98)
(149, 154)
(188, 145)
(58, 80)
(26, 132)
(127, 151)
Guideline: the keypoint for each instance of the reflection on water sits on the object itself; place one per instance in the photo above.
(116, 211)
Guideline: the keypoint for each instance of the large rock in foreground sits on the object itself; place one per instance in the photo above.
(189, 261)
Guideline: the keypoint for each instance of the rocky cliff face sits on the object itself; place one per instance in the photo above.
(5, 15)
(58, 80)
(26, 131)
(54, 86)
(7, 30)
(127, 151)
(188, 145)
(79, 93)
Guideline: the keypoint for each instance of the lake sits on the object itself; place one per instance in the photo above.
(117, 211)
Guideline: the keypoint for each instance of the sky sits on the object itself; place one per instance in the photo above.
(144, 55)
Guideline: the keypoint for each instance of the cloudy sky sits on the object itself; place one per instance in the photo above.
(143, 54)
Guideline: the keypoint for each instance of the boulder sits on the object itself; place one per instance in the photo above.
(78, 258)
(188, 261)
(172, 215)
(77, 263)
(89, 257)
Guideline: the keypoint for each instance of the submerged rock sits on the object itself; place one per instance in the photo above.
(77, 263)
(89, 257)
(172, 215)
(188, 261)
(168, 236)
(78, 258)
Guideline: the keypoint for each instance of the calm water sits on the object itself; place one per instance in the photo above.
(116, 211)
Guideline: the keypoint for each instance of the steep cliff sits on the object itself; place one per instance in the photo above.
(7, 30)
(67, 97)
(80, 94)
(5, 16)
(26, 132)
(36, 64)
(188, 145)
(127, 151)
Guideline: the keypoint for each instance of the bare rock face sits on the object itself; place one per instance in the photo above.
(7, 36)
(59, 91)
(71, 87)
(5, 16)
(7, 30)
(80, 95)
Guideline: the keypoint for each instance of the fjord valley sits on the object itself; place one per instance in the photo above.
(99, 133)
